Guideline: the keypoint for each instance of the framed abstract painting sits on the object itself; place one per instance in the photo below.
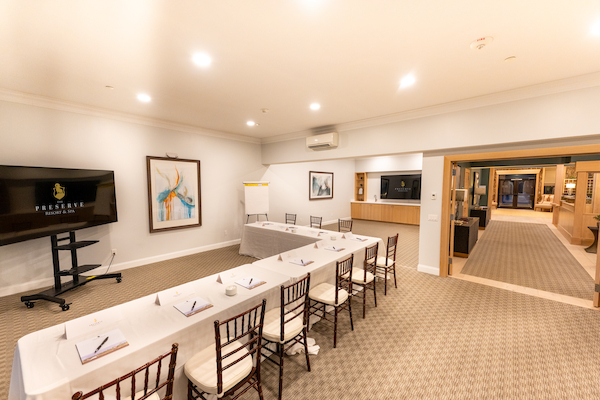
(174, 200)
(320, 185)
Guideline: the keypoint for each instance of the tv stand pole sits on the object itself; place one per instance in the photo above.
(75, 271)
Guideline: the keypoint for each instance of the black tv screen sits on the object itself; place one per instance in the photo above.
(37, 202)
(401, 187)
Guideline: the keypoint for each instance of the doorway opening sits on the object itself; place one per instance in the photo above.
(516, 191)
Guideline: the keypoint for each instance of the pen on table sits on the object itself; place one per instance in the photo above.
(101, 344)
(193, 305)
(301, 261)
(250, 281)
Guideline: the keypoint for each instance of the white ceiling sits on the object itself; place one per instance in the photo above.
(347, 55)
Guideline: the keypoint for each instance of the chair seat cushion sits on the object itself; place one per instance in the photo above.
(381, 262)
(201, 369)
(325, 293)
(140, 394)
(358, 276)
(272, 330)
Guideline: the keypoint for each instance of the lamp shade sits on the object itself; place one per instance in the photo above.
(570, 186)
(481, 190)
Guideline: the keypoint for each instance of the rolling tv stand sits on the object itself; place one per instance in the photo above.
(75, 271)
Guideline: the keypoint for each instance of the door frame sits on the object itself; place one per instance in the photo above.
(447, 192)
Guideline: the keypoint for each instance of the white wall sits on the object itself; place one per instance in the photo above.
(35, 136)
(288, 191)
(429, 231)
(403, 162)
(563, 115)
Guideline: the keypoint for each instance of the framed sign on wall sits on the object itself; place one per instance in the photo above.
(174, 198)
(320, 185)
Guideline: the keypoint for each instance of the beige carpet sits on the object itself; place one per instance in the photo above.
(432, 338)
(408, 238)
(528, 255)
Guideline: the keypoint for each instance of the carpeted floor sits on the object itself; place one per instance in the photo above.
(528, 255)
(432, 338)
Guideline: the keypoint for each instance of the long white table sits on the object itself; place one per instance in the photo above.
(323, 267)
(264, 239)
(46, 365)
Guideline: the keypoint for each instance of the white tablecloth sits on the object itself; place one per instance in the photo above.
(47, 366)
(264, 239)
(323, 267)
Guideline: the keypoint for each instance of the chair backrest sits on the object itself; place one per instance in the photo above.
(157, 364)
(290, 219)
(343, 276)
(391, 249)
(344, 225)
(294, 296)
(315, 222)
(370, 260)
(246, 328)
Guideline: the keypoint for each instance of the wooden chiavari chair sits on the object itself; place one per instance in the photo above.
(315, 222)
(344, 225)
(388, 263)
(365, 277)
(336, 296)
(148, 392)
(287, 325)
(237, 358)
(290, 219)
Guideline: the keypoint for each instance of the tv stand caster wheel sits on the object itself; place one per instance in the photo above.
(29, 304)
(64, 307)
(119, 280)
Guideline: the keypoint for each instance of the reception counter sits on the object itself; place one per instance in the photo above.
(400, 213)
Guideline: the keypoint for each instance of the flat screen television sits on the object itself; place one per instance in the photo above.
(401, 187)
(37, 202)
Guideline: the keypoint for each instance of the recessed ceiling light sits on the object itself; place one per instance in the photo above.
(315, 106)
(109, 87)
(595, 29)
(511, 58)
(144, 97)
(251, 123)
(407, 81)
(202, 59)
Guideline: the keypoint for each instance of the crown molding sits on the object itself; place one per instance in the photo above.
(55, 104)
(527, 92)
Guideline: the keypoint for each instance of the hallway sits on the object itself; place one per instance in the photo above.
(586, 260)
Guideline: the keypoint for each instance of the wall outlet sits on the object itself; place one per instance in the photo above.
(114, 252)
(433, 196)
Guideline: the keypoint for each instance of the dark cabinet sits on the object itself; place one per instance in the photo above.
(465, 237)
(483, 214)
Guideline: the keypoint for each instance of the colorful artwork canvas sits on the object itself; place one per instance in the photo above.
(320, 185)
(173, 193)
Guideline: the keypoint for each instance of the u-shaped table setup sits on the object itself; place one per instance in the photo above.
(46, 363)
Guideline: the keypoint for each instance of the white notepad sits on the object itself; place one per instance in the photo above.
(101, 345)
(359, 239)
(192, 306)
(334, 248)
(250, 282)
(301, 261)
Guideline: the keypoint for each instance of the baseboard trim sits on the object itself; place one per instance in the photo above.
(42, 283)
(428, 269)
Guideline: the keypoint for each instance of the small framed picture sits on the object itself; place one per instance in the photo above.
(174, 200)
(320, 185)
